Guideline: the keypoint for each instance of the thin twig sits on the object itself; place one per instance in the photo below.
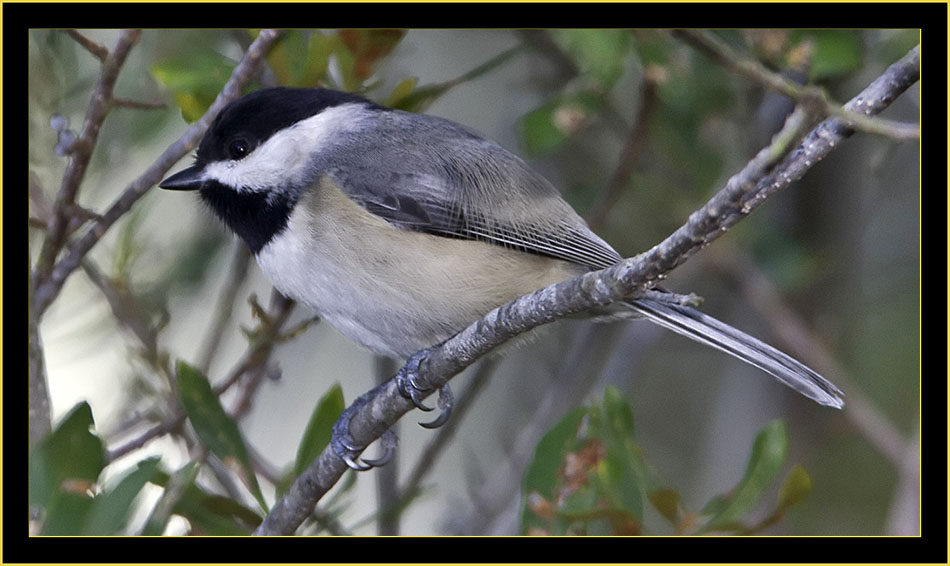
(81, 153)
(138, 104)
(629, 155)
(775, 167)
(430, 454)
(98, 50)
(39, 421)
(49, 287)
(792, 330)
(721, 52)
(387, 479)
(125, 310)
(265, 339)
(903, 515)
(240, 261)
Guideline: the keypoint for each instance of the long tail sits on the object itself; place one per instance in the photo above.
(707, 330)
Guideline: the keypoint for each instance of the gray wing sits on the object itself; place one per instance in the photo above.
(469, 187)
(447, 180)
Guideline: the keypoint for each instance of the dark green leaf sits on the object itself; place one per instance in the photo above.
(214, 427)
(622, 480)
(68, 460)
(111, 509)
(768, 455)
(319, 428)
(207, 514)
(175, 487)
(66, 514)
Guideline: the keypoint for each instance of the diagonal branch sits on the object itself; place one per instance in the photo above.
(720, 51)
(99, 104)
(48, 288)
(774, 168)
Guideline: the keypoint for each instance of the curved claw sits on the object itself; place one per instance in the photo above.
(446, 402)
(348, 450)
(415, 395)
(407, 380)
(389, 442)
(354, 464)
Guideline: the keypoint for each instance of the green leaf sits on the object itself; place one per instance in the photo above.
(319, 428)
(206, 513)
(619, 416)
(66, 514)
(194, 79)
(600, 54)
(175, 487)
(319, 49)
(214, 427)
(622, 478)
(287, 57)
(836, 52)
(541, 474)
(400, 93)
(547, 127)
(302, 58)
(111, 509)
(68, 460)
(621, 484)
(768, 455)
(795, 488)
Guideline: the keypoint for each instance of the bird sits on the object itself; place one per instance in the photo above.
(401, 229)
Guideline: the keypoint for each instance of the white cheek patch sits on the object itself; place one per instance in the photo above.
(285, 158)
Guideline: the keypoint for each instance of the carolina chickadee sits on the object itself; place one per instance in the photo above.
(402, 229)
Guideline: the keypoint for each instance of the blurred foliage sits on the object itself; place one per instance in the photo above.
(588, 477)
(216, 429)
(316, 436)
(66, 491)
(206, 513)
(588, 474)
(195, 79)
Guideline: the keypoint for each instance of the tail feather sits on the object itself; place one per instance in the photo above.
(707, 330)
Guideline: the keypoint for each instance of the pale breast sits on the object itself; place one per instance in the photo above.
(392, 290)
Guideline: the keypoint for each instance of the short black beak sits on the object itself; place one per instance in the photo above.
(189, 179)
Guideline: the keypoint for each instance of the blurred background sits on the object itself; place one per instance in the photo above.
(637, 130)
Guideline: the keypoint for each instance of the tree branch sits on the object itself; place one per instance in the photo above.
(49, 286)
(262, 343)
(773, 168)
(630, 154)
(720, 51)
(39, 422)
(81, 149)
(97, 50)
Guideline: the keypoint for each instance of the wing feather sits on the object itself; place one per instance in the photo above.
(451, 182)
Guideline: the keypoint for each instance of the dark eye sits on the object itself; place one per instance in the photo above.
(238, 148)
